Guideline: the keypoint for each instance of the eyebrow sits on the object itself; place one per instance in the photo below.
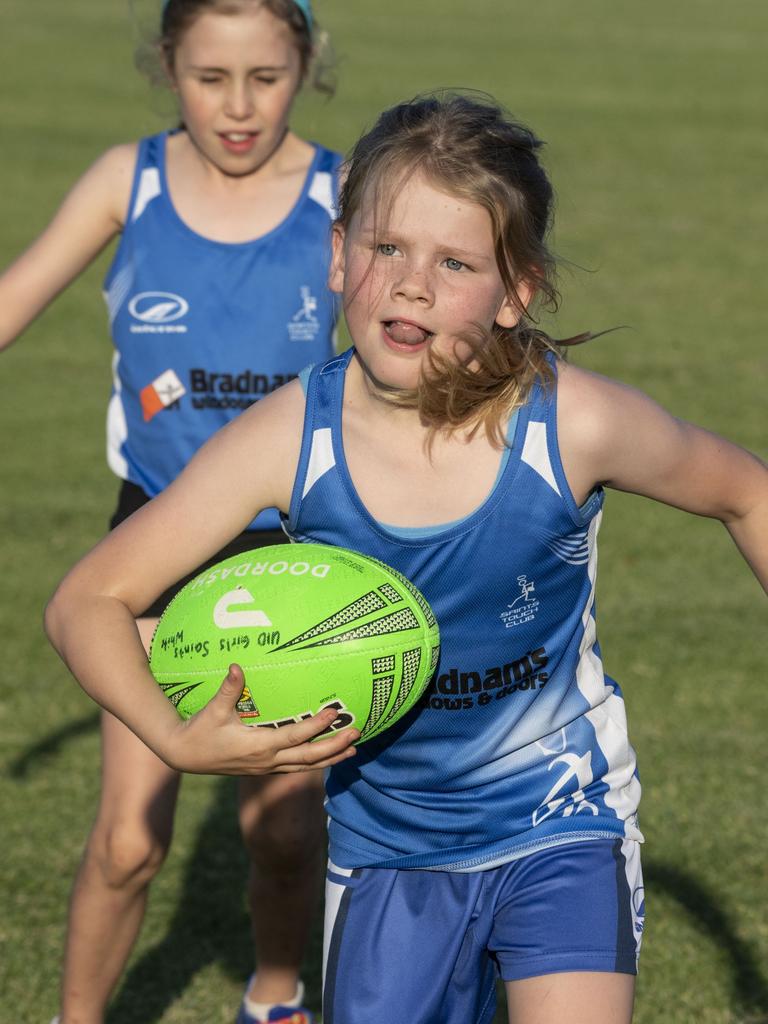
(225, 71)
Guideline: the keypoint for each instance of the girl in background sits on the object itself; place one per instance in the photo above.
(217, 295)
(494, 829)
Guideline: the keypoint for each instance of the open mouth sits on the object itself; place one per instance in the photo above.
(405, 332)
(238, 140)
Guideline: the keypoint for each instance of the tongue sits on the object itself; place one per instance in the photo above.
(406, 334)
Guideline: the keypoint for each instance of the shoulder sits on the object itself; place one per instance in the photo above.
(589, 403)
(263, 444)
(116, 165)
(602, 425)
(277, 418)
(109, 180)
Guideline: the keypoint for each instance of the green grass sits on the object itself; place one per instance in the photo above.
(654, 116)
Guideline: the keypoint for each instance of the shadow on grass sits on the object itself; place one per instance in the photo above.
(34, 756)
(749, 986)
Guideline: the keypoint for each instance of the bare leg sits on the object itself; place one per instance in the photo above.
(583, 997)
(283, 825)
(125, 849)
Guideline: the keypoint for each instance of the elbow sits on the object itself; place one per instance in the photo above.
(53, 618)
(64, 606)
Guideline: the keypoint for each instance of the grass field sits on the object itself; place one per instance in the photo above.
(655, 119)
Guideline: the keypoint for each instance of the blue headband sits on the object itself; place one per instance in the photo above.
(306, 9)
(304, 6)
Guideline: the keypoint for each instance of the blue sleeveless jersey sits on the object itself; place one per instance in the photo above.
(202, 329)
(520, 741)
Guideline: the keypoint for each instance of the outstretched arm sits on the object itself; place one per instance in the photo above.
(248, 465)
(613, 435)
(90, 216)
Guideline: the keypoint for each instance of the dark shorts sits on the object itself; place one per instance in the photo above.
(132, 497)
(426, 946)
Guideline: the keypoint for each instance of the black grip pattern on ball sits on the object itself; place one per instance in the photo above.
(396, 622)
(362, 606)
(382, 688)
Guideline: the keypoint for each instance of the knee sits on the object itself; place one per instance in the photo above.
(285, 835)
(126, 856)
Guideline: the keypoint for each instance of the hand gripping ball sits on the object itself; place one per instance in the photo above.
(313, 626)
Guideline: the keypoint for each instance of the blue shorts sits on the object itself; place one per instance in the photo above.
(427, 946)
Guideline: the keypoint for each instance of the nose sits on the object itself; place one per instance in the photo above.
(238, 102)
(414, 284)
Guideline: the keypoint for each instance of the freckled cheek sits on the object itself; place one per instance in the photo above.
(477, 307)
(364, 288)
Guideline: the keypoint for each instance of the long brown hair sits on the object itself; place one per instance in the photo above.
(470, 147)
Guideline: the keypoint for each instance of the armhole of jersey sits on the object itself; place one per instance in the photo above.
(141, 153)
(581, 514)
(308, 379)
(150, 157)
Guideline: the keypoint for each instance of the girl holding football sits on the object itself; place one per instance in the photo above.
(497, 833)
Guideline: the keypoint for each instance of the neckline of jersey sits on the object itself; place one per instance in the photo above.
(231, 246)
(444, 531)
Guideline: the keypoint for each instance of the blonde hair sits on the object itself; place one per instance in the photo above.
(471, 148)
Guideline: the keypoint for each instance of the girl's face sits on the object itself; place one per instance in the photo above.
(236, 77)
(426, 276)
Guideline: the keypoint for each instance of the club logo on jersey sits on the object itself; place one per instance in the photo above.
(162, 392)
(523, 609)
(304, 325)
(157, 312)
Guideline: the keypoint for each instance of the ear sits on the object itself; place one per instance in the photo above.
(336, 273)
(510, 310)
(166, 63)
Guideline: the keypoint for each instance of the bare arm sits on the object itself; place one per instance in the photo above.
(247, 466)
(613, 435)
(90, 216)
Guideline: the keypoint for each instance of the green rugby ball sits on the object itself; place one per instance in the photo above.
(313, 626)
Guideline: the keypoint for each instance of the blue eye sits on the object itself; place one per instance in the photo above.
(453, 264)
(386, 249)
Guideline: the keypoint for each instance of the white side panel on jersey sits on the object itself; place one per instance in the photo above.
(118, 291)
(634, 873)
(536, 454)
(321, 190)
(149, 187)
(117, 427)
(333, 893)
(321, 458)
(608, 715)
